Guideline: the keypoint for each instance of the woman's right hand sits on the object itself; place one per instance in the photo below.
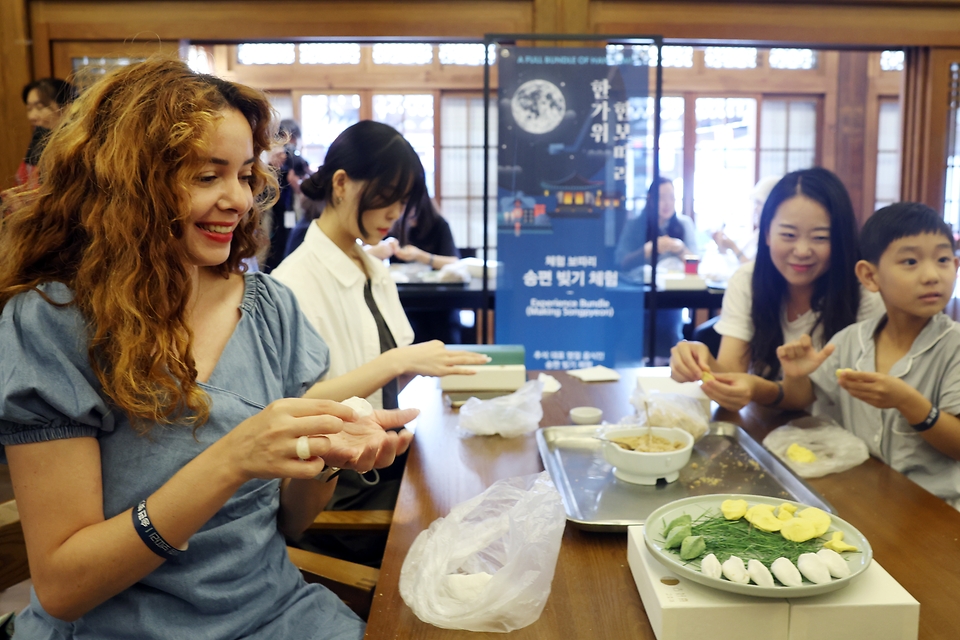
(689, 360)
(434, 359)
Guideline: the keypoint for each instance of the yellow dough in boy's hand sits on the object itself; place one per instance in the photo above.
(839, 371)
(707, 376)
(798, 453)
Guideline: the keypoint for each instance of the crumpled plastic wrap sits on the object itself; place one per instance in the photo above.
(488, 565)
(509, 416)
(670, 410)
(836, 448)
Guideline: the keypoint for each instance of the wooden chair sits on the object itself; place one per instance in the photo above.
(353, 583)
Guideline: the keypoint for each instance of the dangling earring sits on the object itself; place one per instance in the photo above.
(336, 201)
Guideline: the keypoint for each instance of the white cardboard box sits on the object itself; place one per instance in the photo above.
(872, 607)
(488, 377)
(683, 610)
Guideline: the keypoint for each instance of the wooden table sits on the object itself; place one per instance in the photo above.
(913, 534)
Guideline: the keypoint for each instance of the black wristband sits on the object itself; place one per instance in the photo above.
(779, 398)
(931, 420)
(150, 536)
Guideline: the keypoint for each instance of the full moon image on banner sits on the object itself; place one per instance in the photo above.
(538, 106)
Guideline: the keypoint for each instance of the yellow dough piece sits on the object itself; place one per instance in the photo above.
(798, 453)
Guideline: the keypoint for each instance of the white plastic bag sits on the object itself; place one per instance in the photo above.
(509, 416)
(836, 448)
(671, 410)
(488, 565)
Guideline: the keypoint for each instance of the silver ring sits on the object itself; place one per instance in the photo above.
(303, 448)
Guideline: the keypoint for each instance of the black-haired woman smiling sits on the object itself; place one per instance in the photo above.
(803, 282)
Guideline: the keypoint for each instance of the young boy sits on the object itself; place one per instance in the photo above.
(900, 373)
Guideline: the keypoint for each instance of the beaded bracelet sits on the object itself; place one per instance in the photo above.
(150, 536)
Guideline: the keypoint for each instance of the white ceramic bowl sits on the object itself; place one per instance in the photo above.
(586, 415)
(640, 467)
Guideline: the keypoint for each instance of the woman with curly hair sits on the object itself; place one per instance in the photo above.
(158, 409)
(802, 282)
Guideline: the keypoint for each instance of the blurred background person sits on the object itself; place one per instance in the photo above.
(423, 236)
(291, 169)
(45, 100)
(676, 238)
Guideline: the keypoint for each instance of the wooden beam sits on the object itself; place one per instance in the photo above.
(852, 81)
(877, 23)
(14, 74)
(238, 20)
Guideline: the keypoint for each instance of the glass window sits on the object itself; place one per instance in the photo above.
(282, 102)
(725, 164)
(89, 69)
(788, 135)
(891, 61)
(402, 53)
(888, 154)
(671, 152)
(793, 59)
(330, 53)
(324, 117)
(461, 168)
(730, 57)
(641, 54)
(466, 54)
(199, 59)
(267, 53)
(951, 200)
(412, 116)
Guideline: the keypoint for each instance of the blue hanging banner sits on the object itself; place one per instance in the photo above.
(571, 146)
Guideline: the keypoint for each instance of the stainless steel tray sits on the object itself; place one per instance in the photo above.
(725, 460)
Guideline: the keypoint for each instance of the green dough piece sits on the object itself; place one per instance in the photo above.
(676, 522)
(692, 547)
(676, 536)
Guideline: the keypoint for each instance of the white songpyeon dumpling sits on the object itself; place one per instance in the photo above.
(360, 405)
(734, 570)
(710, 566)
(813, 568)
(786, 572)
(759, 573)
(836, 565)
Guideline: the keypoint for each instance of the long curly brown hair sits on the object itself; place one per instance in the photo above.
(108, 221)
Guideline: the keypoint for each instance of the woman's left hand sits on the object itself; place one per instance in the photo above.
(732, 391)
(371, 442)
(410, 253)
(666, 244)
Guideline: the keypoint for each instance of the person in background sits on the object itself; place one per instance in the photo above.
(291, 170)
(677, 238)
(159, 412)
(369, 178)
(748, 250)
(45, 99)
(895, 377)
(423, 236)
(802, 282)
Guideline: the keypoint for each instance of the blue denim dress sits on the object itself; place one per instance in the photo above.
(235, 580)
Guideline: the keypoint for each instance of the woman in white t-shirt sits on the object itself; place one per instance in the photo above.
(368, 177)
(802, 281)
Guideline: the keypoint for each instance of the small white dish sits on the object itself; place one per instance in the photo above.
(586, 415)
(641, 467)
